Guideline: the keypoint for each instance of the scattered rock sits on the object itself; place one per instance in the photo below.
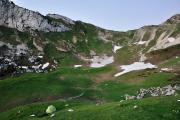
(70, 110)
(45, 66)
(52, 115)
(66, 105)
(32, 115)
(51, 109)
(168, 90)
(121, 101)
(129, 97)
(135, 107)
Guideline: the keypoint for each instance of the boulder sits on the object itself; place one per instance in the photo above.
(51, 109)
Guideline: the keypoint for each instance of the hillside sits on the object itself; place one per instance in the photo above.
(54, 60)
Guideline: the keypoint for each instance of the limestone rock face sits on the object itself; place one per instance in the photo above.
(174, 19)
(23, 19)
(63, 18)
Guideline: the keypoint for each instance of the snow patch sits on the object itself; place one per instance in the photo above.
(143, 58)
(171, 39)
(116, 48)
(141, 42)
(135, 66)
(166, 69)
(77, 66)
(101, 61)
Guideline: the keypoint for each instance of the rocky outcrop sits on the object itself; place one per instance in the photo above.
(23, 19)
(60, 17)
(174, 19)
(18, 59)
(168, 90)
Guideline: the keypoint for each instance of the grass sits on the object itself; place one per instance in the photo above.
(127, 54)
(37, 91)
(63, 83)
(157, 108)
(171, 62)
(69, 82)
(126, 84)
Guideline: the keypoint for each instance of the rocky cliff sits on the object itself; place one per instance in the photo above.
(79, 44)
(23, 19)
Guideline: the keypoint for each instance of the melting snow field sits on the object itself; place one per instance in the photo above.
(101, 61)
(171, 39)
(135, 66)
(116, 48)
(141, 42)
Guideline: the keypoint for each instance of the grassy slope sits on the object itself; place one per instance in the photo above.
(68, 82)
(157, 108)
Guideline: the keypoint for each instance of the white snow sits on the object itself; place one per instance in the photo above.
(70, 110)
(45, 65)
(135, 66)
(166, 69)
(77, 66)
(116, 48)
(101, 61)
(171, 39)
(141, 42)
(142, 58)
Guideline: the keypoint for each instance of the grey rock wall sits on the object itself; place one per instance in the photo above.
(23, 19)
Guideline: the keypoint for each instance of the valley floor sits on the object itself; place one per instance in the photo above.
(84, 94)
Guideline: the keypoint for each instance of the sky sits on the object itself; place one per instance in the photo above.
(120, 15)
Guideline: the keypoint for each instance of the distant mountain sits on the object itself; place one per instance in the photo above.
(23, 19)
(29, 41)
(52, 67)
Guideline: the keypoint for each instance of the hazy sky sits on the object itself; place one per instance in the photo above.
(111, 14)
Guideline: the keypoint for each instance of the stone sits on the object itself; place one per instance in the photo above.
(51, 109)
(70, 110)
(129, 97)
(135, 107)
